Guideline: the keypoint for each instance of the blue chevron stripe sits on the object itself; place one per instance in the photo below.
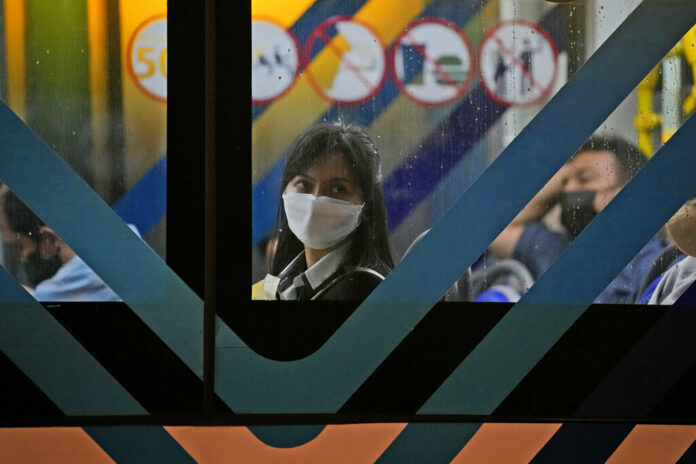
(401, 300)
(139, 445)
(570, 285)
(146, 203)
(132, 269)
(54, 360)
(428, 442)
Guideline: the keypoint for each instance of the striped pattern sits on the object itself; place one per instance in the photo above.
(143, 357)
(359, 443)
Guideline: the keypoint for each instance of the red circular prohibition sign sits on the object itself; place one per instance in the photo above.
(319, 34)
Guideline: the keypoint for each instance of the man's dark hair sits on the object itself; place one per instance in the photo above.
(20, 219)
(629, 159)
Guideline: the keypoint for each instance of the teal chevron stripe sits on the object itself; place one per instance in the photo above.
(54, 360)
(569, 286)
(429, 442)
(139, 445)
(96, 233)
(323, 381)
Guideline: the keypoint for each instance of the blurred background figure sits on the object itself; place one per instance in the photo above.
(680, 276)
(21, 229)
(48, 267)
(580, 189)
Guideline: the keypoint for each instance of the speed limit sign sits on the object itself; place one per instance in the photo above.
(146, 56)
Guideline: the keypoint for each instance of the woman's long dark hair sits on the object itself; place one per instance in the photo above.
(369, 242)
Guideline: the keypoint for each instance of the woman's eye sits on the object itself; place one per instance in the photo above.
(338, 188)
(301, 186)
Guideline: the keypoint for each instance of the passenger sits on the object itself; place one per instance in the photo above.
(582, 188)
(331, 226)
(20, 229)
(72, 279)
(681, 229)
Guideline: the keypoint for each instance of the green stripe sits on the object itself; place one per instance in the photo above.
(58, 88)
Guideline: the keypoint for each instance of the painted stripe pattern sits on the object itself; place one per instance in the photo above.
(482, 375)
(357, 443)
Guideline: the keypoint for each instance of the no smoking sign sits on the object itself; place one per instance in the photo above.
(518, 63)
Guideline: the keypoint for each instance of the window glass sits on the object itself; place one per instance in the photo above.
(442, 89)
(90, 79)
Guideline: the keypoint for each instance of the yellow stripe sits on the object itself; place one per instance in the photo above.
(278, 126)
(286, 12)
(15, 21)
(144, 119)
(96, 31)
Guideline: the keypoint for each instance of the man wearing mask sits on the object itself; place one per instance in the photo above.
(581, 189)
(20, 229)
(69, 279)
(681, 229)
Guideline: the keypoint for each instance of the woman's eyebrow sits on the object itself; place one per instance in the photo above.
(343, 179)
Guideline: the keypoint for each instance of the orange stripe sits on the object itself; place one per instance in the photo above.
(506, 443)
(335, 444)
(62, 445)
(654, 443)
(15, 23)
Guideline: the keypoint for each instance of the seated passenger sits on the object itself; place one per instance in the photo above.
(72, 279)
(331, 228)
(681, 229)
(20, 239)
(582, 188)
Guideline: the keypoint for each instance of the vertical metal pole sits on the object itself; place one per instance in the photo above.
(210, 212)
(671, 95)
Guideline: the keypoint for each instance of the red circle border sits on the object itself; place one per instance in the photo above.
(554, 49)
(463, 89)
(308, 51)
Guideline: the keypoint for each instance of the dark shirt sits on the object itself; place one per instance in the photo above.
(539, 246)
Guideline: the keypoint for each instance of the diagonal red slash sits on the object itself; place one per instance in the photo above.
(519, 63)
(341, 56)
(421, 52)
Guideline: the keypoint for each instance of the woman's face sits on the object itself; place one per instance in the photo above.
(331, 177)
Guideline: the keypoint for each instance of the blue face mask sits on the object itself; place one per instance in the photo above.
(577, 210)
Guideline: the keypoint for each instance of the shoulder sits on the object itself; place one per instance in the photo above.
(538, 247)
(354, 284)
(674, 282)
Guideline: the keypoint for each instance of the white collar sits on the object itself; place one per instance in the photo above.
(315, 275)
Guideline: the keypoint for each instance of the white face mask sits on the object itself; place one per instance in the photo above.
(320, 222)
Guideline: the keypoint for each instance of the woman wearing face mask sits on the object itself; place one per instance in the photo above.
(331, 227)
(681, 229)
